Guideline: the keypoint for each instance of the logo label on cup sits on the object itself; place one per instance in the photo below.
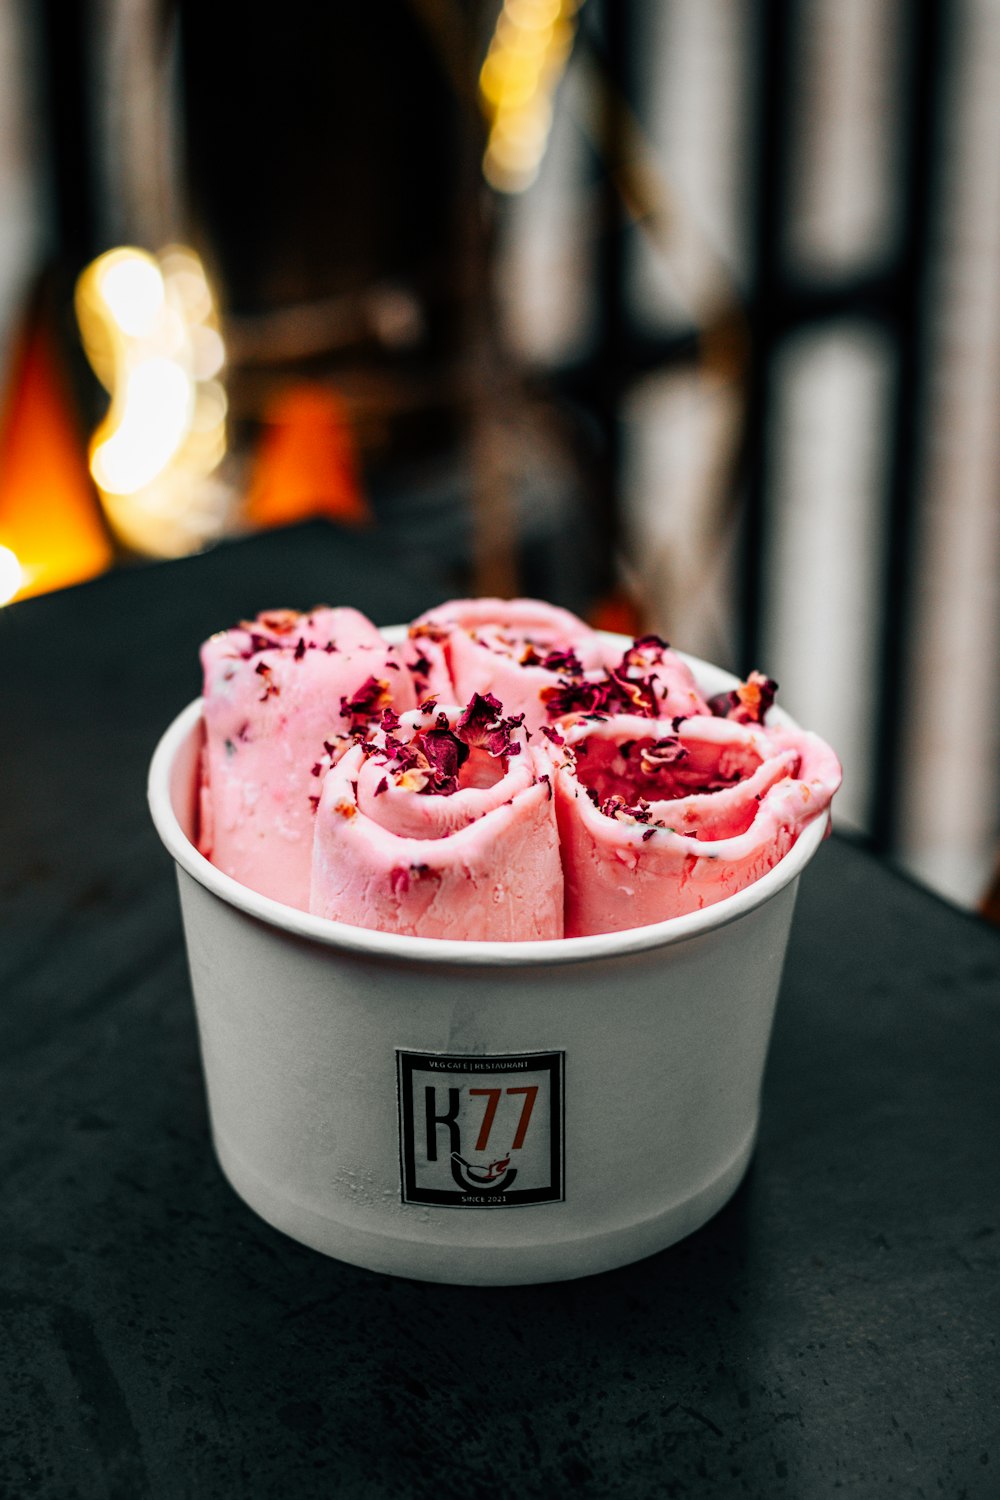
(481, 1132)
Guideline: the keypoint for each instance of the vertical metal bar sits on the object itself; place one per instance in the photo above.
(770, 62)
(618, 37)
(926, 50)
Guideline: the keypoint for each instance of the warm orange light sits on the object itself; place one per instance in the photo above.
(306, 464)
(50, 522)
(133, 291)
(151, 333)
(531, 44)
(153, 420)
(11, 575)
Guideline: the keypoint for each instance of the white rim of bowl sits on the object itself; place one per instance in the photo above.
(466, 953)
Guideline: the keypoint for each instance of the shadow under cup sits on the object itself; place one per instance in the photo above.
(480, 1113)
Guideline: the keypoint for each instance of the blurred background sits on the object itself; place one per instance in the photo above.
(682, 313)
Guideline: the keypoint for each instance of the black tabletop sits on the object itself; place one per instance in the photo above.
(832, 1331)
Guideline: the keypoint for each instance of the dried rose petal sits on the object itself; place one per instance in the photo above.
(562, 660)
(281, 621)
(445, 754)
(660, 754)
(617, 806)
(478, 718)
(372, 695)
(748, 703)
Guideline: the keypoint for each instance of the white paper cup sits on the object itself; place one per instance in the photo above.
(483, 1113)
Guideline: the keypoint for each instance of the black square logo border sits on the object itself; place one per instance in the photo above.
(410, 1062)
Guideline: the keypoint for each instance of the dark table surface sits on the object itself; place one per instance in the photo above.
(832, 1331)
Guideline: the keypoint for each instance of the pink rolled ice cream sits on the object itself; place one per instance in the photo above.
(658, 818)
(283, 695)
(442, 826)
(543, 662)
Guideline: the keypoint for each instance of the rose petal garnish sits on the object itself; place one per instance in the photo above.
(372, 695)
(445, 754)
(281, 621)
(271, 688)
(562, 660)
(642, 648)
(619, 807)
(748, 703)
(428, 630)
(659, 755)
(478, 718)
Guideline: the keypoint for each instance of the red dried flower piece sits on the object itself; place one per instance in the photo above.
(281, 621)
(429, 631)
(475, 722)
(483, 726)
(660, 754)
(748, 703)
(563, 660)
(445, 754)
(617, 806)
(637, 695)
(372, 695)
(271, 688)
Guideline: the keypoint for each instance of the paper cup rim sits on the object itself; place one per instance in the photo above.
(461, 953)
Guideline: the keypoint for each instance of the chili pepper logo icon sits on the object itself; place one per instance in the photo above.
(494, 1178)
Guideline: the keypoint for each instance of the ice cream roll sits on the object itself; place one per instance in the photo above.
(442, 826)
(514, 649)
(658, 818)
(284, 696)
